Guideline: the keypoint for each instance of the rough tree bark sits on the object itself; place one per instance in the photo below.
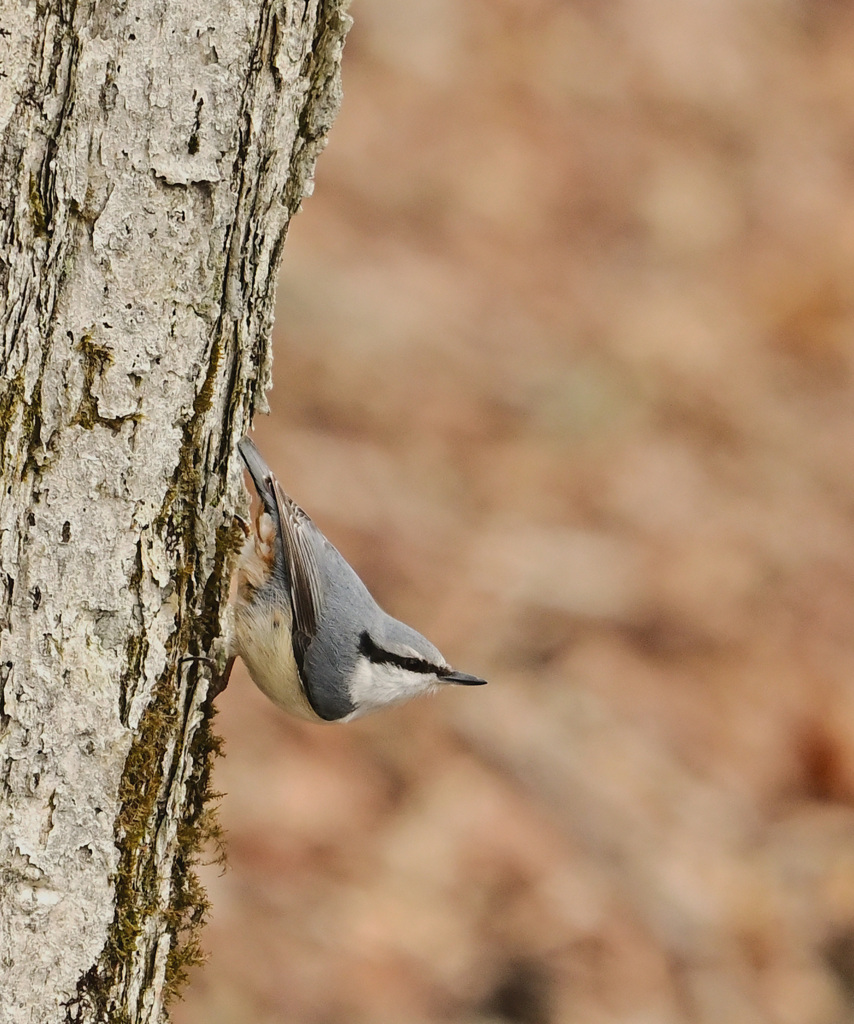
(151, 155)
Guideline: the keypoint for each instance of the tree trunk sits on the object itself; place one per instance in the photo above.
(151, 155)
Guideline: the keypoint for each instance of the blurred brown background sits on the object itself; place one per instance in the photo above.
(564, 366)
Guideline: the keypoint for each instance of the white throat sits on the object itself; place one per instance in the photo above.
(376, 685)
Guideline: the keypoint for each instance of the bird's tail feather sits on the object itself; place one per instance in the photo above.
(262, 475)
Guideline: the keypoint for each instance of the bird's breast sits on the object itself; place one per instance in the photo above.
(262, 638)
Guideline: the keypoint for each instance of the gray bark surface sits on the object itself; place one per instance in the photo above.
(151, 155)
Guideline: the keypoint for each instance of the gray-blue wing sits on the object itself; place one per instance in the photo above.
(302, 569)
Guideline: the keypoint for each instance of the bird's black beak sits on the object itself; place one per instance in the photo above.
(463, 679)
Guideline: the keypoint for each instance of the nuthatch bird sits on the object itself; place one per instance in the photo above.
(310, 634)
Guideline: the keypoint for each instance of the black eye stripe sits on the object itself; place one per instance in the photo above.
(378, 656)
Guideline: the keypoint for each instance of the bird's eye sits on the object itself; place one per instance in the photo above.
(379, 656)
